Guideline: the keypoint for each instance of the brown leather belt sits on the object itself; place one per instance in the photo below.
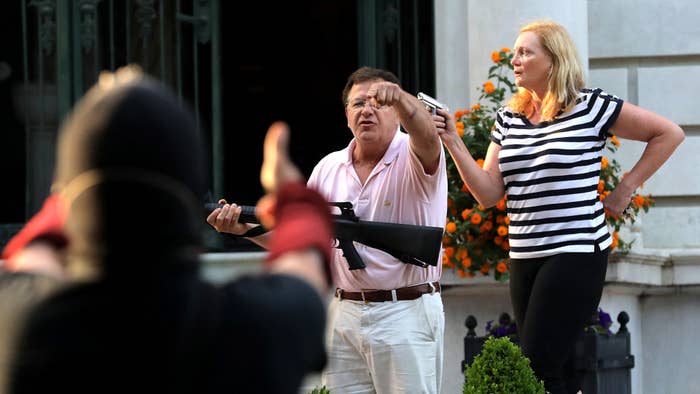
(402, 294)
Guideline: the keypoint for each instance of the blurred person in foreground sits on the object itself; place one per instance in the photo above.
(545, 156)
(137, 317)
(20, 291)
(32, 268)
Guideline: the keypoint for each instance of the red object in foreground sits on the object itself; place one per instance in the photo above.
(47, 225)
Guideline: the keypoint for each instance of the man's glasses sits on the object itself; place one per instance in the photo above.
(359, 104)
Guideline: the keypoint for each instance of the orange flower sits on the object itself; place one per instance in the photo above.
(449, 251)
(638, 200)
(495, 56)
(506, 220)
(465, 213)
(603, 163)
(505, 49)
(480, 162)
(601, 186)
(458, 114)
(615, 243)
(451, 227)
(476, 219)
(460, 132)
(501, 267)
(487, 226)
(505, 246)
(476, 107)
(462, 254)
(485, 268)
(466, 262)
(445, 261)
(615, 141)
(497, 240)
(502, 231)
(501, 205)
(461, 273)
(459, 125)
(446, 240)
(488, 87)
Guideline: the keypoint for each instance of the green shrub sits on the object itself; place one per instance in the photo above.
(322, 390)
(501, 368)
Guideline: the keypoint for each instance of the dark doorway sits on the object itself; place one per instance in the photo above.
(287, 61)
(12, 133)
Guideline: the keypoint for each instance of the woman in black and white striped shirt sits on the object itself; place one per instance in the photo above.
(545, 156)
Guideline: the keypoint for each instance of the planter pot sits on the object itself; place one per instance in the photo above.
(602, 363)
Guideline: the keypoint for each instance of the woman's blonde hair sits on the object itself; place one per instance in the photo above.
(566, 78)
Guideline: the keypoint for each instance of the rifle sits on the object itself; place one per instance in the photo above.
(411, 244)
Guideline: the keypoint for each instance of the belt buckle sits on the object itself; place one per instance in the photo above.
(339, 293)
(432, 288)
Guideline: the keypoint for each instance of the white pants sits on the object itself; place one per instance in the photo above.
(385, 347)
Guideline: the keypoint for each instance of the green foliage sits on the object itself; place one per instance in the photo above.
(476, 239)
(501, 368)
(609, 179)
(322, 390)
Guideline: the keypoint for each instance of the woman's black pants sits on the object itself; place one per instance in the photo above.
(553, 298)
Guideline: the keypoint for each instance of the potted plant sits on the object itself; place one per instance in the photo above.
(501, 368)
(602, 360)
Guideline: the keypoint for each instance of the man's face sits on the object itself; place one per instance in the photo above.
(368, 122)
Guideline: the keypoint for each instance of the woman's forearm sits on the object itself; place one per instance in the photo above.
(486, 187)
(658, 149)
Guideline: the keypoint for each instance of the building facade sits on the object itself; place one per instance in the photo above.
(291, 63)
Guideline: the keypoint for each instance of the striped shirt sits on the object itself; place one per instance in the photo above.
(551, 172)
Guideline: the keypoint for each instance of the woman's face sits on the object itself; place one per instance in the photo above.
(532, 64)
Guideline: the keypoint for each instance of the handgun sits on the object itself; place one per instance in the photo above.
(430, 103)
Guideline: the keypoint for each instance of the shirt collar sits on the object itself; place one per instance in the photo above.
(389, 155)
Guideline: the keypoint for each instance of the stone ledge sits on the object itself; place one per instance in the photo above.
(641, 270)
(655, 267)
(220, 267)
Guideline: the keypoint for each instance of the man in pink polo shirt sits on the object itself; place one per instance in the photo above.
(386, 321)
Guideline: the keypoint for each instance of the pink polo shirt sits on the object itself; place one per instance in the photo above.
(397, 191)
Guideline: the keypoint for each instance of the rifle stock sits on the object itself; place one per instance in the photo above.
(411, 244)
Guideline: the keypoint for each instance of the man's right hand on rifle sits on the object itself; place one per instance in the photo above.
(290, 208)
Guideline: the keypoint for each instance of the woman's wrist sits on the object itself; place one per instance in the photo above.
(453, 140)
(627, 186)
